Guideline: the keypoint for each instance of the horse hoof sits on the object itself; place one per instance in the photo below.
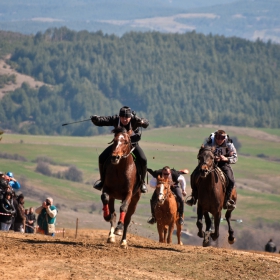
(200, 234)
(124, 244)
(214, 237)
(107, 218)
(231, 241)
(111, 240)
(118, 232)
(205, 243)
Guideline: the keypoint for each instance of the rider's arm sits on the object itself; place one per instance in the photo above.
(232, 154)
(103, 120)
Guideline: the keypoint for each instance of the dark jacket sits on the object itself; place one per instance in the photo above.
(20, 215)
(7, 207)
(114, 121)
(174, 174)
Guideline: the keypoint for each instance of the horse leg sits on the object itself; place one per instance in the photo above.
(130, 211)
(161, 233)
(123, 212)
(109, 215)
(208, 222)
(199, 223)
(179, 230)
(231, 238)
(217, 220)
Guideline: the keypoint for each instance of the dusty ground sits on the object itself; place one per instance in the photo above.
(89, 256)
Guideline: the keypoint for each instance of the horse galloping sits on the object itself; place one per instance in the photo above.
(121, 182)
(166, 212)
(211, 184)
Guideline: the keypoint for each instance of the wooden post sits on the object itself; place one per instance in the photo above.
(63, 232)
(77, 221)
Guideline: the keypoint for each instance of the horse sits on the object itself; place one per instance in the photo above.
(211, 185)
(166, 212)
(121, 182)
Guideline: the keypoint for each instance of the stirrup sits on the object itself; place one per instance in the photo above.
(181, 221)
(152, 221)
(230, 205)
(98, 185)
(144, 188)
(191, 201)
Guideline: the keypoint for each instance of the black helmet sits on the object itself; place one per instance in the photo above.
(125, 112)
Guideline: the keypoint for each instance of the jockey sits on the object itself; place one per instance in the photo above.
(179, 181)
(225, 154)
(129, 121)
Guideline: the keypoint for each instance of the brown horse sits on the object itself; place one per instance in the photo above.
(122, 183)
(166, 212)
(211, 186)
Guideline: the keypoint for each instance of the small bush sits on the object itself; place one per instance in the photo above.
(43, 168)
(13, 157)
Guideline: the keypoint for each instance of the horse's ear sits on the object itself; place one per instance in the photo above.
(202, 146)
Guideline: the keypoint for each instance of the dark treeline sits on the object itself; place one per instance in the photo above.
(171, 79)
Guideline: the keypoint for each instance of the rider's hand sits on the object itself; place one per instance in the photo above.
(184, 193)
(223, 158)
(94, 118)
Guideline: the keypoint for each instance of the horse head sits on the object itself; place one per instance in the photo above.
(206, 160)
(121, 145)
(163, 189)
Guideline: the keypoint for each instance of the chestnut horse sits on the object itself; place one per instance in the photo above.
(211, 185)
(122, 183)
(166, 212)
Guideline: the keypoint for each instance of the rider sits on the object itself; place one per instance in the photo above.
(225, 154)
(129, 121)
(178, 179)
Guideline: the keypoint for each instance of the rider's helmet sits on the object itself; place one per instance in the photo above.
(125, 111)
(10, 174)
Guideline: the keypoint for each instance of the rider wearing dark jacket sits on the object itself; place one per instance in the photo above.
(129, 121)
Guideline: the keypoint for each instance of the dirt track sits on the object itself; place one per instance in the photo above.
(88, 256)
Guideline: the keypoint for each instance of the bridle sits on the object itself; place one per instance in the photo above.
(204, 166)
(118, 157)
(161, 195)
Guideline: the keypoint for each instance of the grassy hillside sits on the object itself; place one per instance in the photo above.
(257, 177)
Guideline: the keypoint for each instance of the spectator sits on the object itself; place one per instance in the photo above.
(270, 246)
(7, 211)
(30, 225)
(3, 182)
(12, 181)
(47, 217)
(20, 217)
(14, 197)
(26, 212)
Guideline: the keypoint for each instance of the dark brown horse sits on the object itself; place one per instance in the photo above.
(211, 185)
(120, 182)
(166, 212)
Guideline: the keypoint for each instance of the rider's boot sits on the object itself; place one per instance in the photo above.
(193, 199)
(144, 188)
(99, 186)
(181, 219)
(229, 204)
(152, 220)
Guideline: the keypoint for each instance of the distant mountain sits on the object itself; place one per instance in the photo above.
(249, 19)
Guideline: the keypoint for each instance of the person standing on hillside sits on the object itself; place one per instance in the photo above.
(270, 246)
(179, 181)
(225, 154)
(129, 121)
(12, 181)
(46, 220)
(19, 224)
(7, 211)
(31, 220)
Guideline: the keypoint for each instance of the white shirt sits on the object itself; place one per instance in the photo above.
(181, 180)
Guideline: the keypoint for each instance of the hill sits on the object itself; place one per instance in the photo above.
(89, 257)
(246, 19)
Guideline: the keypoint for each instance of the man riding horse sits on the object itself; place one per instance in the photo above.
(130, 122)
(178, 180)
(225, 154)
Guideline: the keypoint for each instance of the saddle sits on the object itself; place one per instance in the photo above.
(222, 177)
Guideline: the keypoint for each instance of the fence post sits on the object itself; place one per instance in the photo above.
(77, 221)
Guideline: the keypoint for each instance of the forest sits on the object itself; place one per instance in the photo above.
(170, 79)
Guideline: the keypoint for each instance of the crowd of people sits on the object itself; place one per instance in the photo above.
(13, 214)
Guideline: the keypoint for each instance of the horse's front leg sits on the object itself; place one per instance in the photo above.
(199, 223)
(161, 234)
(170, 231)
(109, 215)
(217, 220)
(208, 222)
(123, 210)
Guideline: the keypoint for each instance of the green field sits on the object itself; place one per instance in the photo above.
(257, 178)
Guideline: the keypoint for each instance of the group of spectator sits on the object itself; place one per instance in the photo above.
(12, 212)
(13, 215)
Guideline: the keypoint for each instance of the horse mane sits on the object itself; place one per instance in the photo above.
(119, 129)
